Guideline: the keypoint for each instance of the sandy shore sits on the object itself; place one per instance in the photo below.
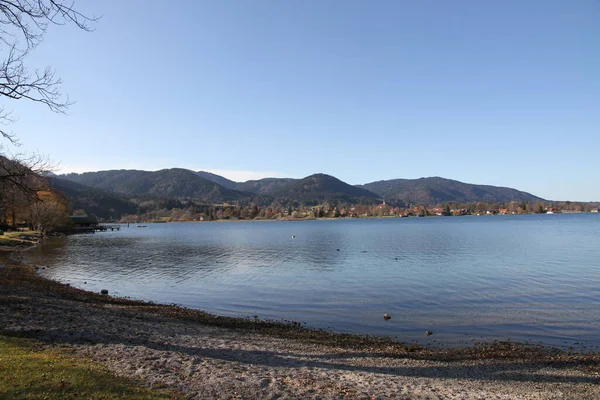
(205, 356)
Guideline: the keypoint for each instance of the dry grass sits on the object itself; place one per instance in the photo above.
(13, 240)
(28, 371)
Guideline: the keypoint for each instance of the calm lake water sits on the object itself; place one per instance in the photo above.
(532, 278)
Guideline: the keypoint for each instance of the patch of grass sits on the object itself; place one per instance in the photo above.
(13, 239)
(27, 371)
(8, 235)
(16, 234)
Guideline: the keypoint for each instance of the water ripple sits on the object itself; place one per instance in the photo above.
(523, 277)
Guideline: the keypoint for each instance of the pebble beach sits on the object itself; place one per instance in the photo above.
(203, 356)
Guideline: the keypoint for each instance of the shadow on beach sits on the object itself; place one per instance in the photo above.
(60, 315)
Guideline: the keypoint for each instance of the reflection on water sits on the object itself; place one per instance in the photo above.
(531, 278)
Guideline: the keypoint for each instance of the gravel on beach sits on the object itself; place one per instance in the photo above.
(209, 357)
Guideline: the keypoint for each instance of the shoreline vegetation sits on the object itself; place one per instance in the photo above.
(353, 218)
(231, 212)
(131, 220)
(207, 356)
(24, 237)
(390, 217)
(13, 242)
(177, 194)
(40, 372)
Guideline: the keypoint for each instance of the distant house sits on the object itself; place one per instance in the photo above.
(84, 223)
(437, 211)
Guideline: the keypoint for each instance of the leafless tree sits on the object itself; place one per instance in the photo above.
(24, 173)
(20, 181)
(23, 24)
(46, 216)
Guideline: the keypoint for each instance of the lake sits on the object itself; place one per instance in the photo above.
(533, 278)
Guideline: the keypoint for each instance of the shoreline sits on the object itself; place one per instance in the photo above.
(10, 244)
(209, 356)
(459, 342)
(348, 218)
(286, 329)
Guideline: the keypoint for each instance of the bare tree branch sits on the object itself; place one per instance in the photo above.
(28, 20)
(6, 119)
(42, 87)
(24, 173)
(23, 24)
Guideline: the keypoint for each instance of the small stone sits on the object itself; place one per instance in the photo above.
(104, 291)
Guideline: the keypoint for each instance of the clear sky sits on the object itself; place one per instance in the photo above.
(494, 92)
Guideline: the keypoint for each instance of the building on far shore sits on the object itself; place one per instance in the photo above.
(84, 223)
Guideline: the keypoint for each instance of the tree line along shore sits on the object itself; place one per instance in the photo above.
(175, 210)
(48, 212)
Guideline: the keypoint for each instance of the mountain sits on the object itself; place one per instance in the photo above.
(229, 184)
(95, 201)
(166, 183)
(314, 189)
(264, 187)
(318, 188)
(438, 190)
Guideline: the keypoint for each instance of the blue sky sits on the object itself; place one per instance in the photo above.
(495, 92)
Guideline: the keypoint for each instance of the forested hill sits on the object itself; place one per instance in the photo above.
(209, 188)
(95, 201)
(227, 183)
(319, 188)
(436, 190)
(181, 183)
(166, 183)
(265, 187)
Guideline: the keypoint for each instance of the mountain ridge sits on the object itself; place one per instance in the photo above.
(173, 182)
(318, 188)
(436, 190)
(95, 201)
(310, 190)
